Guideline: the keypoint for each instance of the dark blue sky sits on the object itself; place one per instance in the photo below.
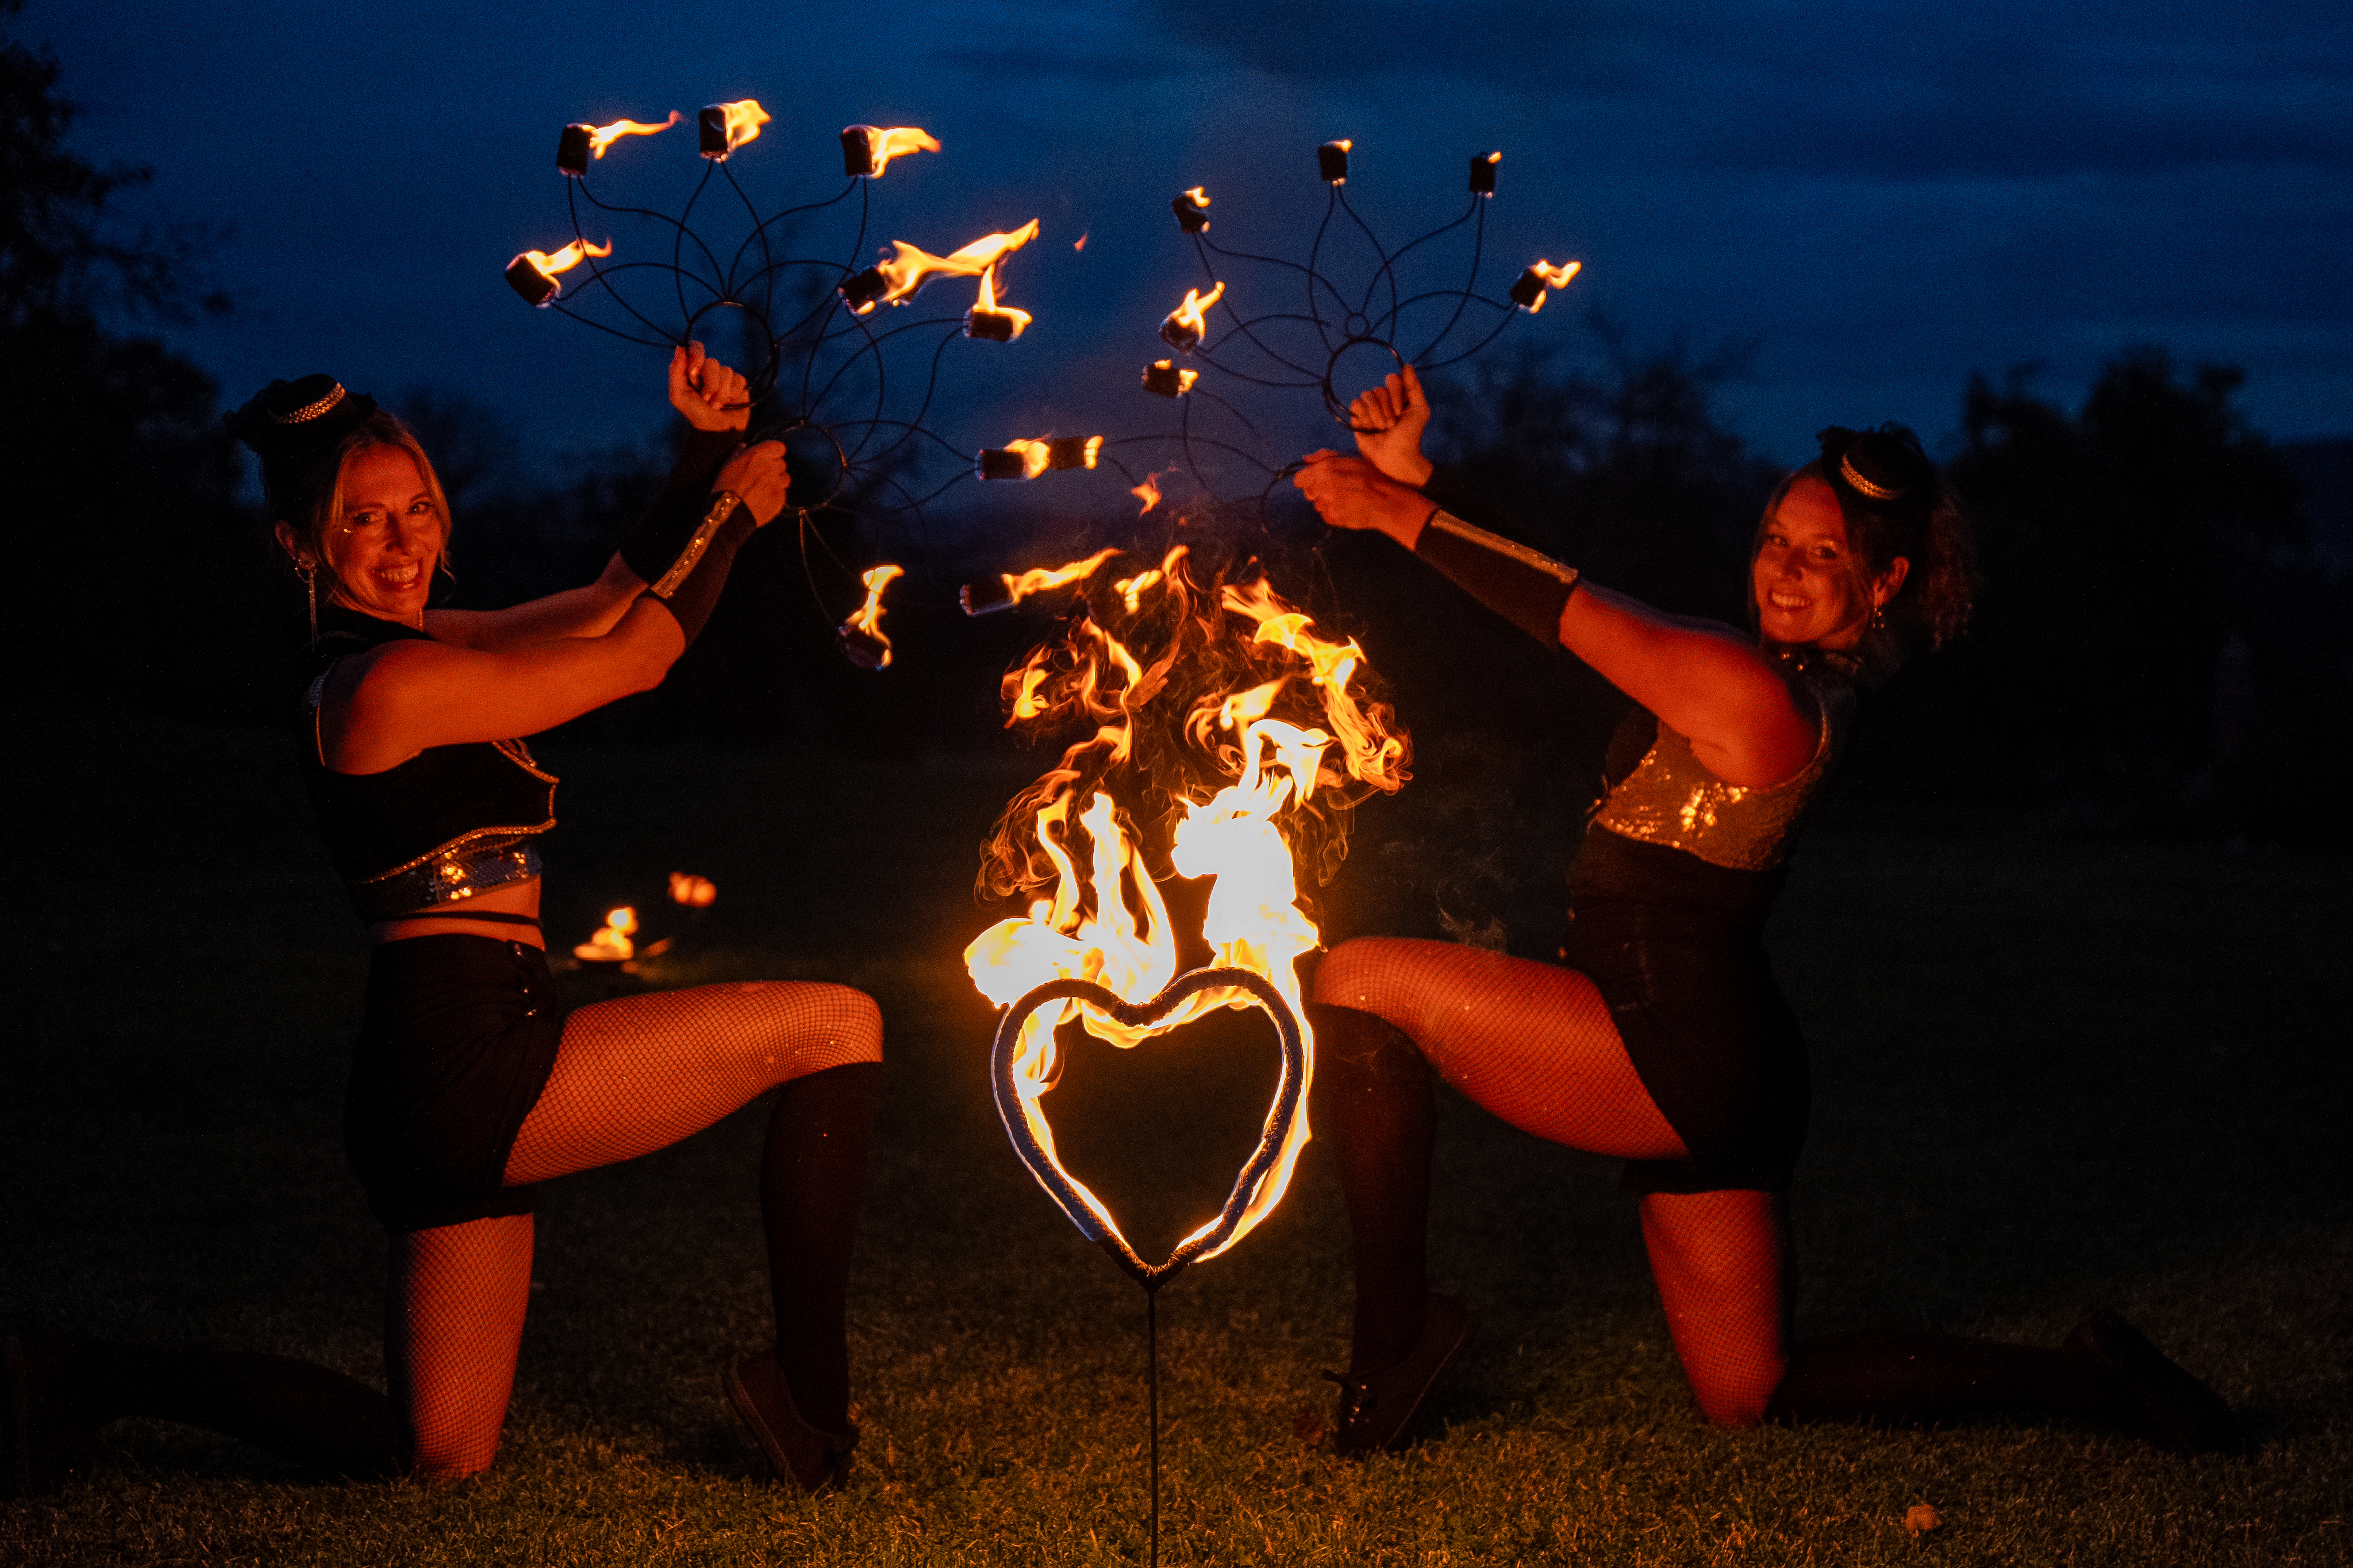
(1890, 197)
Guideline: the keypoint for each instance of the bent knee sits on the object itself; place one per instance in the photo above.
(1362, 973)
(834, 1025)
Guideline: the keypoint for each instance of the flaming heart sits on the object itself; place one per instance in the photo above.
(1085, 1211)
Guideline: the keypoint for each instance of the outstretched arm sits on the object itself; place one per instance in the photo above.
(714, 400)
(384, 705)
(1700, 677)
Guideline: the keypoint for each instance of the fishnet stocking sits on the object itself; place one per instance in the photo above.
(634, 1075)
(453, 1321)
(640, 1073)
(1530, 1042)
(1727, 1277)
(1535, 1046)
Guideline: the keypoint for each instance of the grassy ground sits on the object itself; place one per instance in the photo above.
(2051, 1073)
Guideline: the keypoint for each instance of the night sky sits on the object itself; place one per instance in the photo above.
(1887, 198)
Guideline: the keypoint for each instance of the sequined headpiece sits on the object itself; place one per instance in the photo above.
(1882, 470)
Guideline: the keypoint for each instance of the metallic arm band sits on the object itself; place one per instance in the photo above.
(722, 507)
(1527, 588)
(1500, 545)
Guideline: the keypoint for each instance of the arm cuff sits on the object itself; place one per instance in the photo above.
(1527, 588)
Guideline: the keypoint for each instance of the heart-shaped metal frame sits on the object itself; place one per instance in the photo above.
(1280, 1115)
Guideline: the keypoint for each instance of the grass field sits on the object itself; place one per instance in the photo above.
(2049, 1073)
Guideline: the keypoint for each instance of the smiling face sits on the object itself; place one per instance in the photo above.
(1808, 584)
(386, 535)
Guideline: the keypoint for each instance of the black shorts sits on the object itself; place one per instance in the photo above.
(459, 1039)
(1691, 989)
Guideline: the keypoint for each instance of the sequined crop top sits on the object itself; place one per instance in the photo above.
(450, 823)
(1670, 799)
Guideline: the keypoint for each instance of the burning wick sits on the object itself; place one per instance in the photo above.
(1162, 377)
(1332, 162)
(1192, 210)
(1027, 458)
(895, 282)
(581, 142)
(988, 322)
(1528, 293)
(862, 636)
(866, 150)
(1483, 175)
(611, 943)
(692, 892)
(532, 274)
(727, 126)
(1182, 329)
(986, 597)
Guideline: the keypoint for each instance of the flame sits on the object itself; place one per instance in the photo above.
(868, 617)
(1148, 492)
(884, 144)
(1538, 278)
(563, 260)
(1020, 586)
(912, 266)
(1131, 589)
(987, 303)
(744, 119)
(1165, 377)
(1184, 326)
(1253, 797)
(603, 136)
(610, 944)
(1080, 243)
(693, 891)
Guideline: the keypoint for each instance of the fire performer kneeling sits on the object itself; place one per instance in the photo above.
(470, 1085)
(1666, 1041)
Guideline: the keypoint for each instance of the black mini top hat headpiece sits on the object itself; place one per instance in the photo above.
(1881, 470)
(291, 425)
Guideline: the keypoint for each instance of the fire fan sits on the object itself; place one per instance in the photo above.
(820, 368)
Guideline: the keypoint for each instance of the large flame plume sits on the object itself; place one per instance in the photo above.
(911, 267)
(1215, 716)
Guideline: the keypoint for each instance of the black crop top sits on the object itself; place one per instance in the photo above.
(450, 823)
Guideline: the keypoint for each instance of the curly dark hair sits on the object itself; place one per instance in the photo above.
(1896, 505)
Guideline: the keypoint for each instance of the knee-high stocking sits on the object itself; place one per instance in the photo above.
(812, 1173)
(1374, 1101)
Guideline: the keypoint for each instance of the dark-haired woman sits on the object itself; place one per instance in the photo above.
(1664, 1040)
(470, 1085)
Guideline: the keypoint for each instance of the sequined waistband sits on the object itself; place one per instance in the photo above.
(449, 876)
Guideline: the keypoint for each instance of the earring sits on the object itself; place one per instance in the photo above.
(309, 572)
(1879, 617)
